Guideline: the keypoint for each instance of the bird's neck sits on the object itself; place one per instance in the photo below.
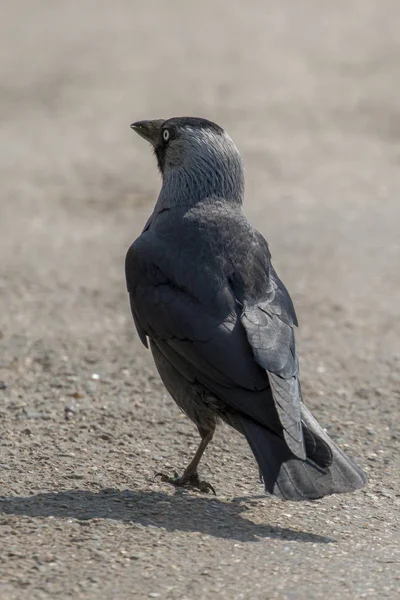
(187, 187)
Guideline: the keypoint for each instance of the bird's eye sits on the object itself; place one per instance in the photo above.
(165, 135)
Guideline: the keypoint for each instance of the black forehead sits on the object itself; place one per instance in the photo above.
(194, 122)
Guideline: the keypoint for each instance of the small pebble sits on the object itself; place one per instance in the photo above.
(69, 410)
(90, 387)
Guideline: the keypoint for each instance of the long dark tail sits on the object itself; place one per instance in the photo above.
(326, 470)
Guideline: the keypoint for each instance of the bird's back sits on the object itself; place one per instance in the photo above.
(206, 247)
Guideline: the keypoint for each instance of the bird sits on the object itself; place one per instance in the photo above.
(220, 324)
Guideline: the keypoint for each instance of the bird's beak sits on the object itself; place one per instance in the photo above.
(149, 130)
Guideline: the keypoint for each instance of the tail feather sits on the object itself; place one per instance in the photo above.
(316, 449)
(326, 470)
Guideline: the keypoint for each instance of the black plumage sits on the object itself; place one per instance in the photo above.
(221, 323)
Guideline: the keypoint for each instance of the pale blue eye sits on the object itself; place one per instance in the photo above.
(165, 135)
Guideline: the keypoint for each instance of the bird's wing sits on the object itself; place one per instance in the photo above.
(227, 350)
(269, 319)
(210, 347)
(269, 325)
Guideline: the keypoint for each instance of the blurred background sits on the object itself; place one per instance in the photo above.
(309, 91)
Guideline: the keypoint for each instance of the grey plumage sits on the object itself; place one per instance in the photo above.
(219, 320)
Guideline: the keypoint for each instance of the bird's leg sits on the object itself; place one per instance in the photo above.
(190, 477)
(190, 474)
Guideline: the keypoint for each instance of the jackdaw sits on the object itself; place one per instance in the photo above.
(219, 321)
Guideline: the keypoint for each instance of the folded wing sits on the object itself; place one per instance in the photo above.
(242, 351)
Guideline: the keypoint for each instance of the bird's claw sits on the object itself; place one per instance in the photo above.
(187, 480)
(205, 487)
(168, 479)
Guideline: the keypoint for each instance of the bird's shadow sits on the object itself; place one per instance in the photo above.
(181, 512)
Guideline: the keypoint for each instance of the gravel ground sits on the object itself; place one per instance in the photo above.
(309, 91)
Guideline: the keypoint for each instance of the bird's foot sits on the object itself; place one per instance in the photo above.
(187, 480)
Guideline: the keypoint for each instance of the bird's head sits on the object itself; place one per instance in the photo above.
(196, 158)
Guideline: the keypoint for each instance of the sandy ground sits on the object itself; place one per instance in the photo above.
(309, 91)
